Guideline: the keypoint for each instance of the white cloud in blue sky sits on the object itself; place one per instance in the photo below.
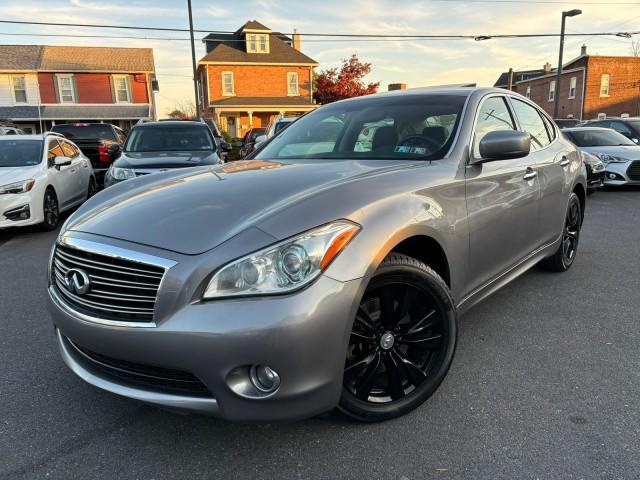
(414, 62)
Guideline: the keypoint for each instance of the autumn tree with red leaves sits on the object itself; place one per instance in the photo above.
(332, 85)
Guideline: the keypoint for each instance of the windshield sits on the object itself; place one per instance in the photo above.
(385, 127)
(597, 138)
(169, 138)
(85, 131)
(20, 153)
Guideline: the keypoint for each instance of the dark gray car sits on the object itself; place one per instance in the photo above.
(328, 271)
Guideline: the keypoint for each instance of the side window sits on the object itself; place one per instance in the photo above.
(493, 115)
(68, 149)
(532, 123)
(55, 150)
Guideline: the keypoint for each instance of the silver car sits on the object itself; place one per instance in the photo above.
(321, 273)
(620, 155)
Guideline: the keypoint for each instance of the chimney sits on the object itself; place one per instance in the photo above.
(547, 68)
(397, 86)
(296, 41)
(583, 50)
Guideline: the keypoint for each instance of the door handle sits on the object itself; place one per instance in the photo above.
(564, 162)
(530, 175)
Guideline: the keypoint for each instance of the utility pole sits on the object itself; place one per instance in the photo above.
(556, 105)
(511, 79)
(193, 62)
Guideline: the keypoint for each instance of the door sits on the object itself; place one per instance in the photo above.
(553, 159)
(502, 201)
(77, 173)
(61, 177)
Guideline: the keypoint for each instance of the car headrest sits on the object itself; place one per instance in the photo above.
(436, 133)
(384, 137)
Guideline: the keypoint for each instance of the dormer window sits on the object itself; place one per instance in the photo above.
(257, 43)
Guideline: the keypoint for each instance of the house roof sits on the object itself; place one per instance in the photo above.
(231, 48)
(262, 101)
(75, 59)
(254, 25)
(503, 79)
(76, 112)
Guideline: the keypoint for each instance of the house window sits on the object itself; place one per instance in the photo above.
(251, 44)
(263, 43)
(65, 89)
(572, 87)
(227, 84)
(19, 89)
(292, 83)
(528, 94)
(552, 91)
(604, 85)
(121, 87)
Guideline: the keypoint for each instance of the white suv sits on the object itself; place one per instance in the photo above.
(41, 176)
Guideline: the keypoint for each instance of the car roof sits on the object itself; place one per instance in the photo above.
(170, 122)
(587, 127)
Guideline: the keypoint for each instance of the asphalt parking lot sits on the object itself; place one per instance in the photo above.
(545, 384)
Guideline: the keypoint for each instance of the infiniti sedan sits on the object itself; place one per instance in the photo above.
(328, 270)
(621, 156)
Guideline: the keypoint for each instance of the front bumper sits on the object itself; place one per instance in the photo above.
(302, 336)
(618, 174)
(14, 202)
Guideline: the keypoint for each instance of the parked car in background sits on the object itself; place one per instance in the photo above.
(621, 156)
(317, 274)
(154, 147)
(567, 122)
(223, 146)
(11, 131)
(277, 125)
(595, 172)
(247, 145)
(100, 142)
(629, 127)
(40, 177)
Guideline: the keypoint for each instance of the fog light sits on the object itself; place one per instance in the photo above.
(612, 176)
(264, 378)
(20, 213)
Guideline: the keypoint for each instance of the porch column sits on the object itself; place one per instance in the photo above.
(250, 119)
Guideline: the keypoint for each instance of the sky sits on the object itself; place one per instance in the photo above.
(415, 62)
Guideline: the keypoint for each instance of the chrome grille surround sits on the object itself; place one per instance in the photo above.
(123, 284)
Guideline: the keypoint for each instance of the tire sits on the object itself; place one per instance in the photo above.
(402, 342)
(51, 210)
(92, 188)
(565, 255)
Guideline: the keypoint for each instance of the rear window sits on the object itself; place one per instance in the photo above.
(169, 138)
(85, 131)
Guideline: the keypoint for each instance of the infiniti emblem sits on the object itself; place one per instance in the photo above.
(77, 281)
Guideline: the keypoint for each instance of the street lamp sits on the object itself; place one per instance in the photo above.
(556, 106)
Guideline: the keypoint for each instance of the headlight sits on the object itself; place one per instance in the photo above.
(285, 266)
(121, 173)
(606, 158)
(17, 187)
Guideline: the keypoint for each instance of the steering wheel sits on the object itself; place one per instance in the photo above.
(420, 141)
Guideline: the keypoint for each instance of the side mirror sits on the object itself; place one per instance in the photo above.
(114, 149)
(260, 139)
(225, 147)
(61, 162)
(504, 145)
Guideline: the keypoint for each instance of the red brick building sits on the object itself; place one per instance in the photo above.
(591, 86)
(44, 85)
(250, 76)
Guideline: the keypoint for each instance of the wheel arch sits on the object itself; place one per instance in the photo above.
(428, 250)
(581, 192)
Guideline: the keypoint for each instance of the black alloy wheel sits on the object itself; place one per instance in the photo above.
(564, 257)
(402, 341)
(51, 210)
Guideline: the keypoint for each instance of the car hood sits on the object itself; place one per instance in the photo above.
(193, 211)
(166, 159)
(632, 152)
(16, 174)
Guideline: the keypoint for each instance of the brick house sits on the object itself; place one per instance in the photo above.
(250, 76)
(44, 85)
(591, 86)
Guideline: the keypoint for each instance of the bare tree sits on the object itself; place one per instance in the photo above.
(183, 111)
(635, 48)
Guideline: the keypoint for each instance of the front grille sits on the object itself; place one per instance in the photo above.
(633, 172)
(119, 289)
(150, 377)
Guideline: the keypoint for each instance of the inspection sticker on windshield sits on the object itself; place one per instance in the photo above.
(402, 149)
(418, 150)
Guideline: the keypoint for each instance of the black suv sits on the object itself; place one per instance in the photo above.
(629, 127)
(160, 146)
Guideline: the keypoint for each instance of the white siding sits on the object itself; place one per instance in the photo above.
(6, 93)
